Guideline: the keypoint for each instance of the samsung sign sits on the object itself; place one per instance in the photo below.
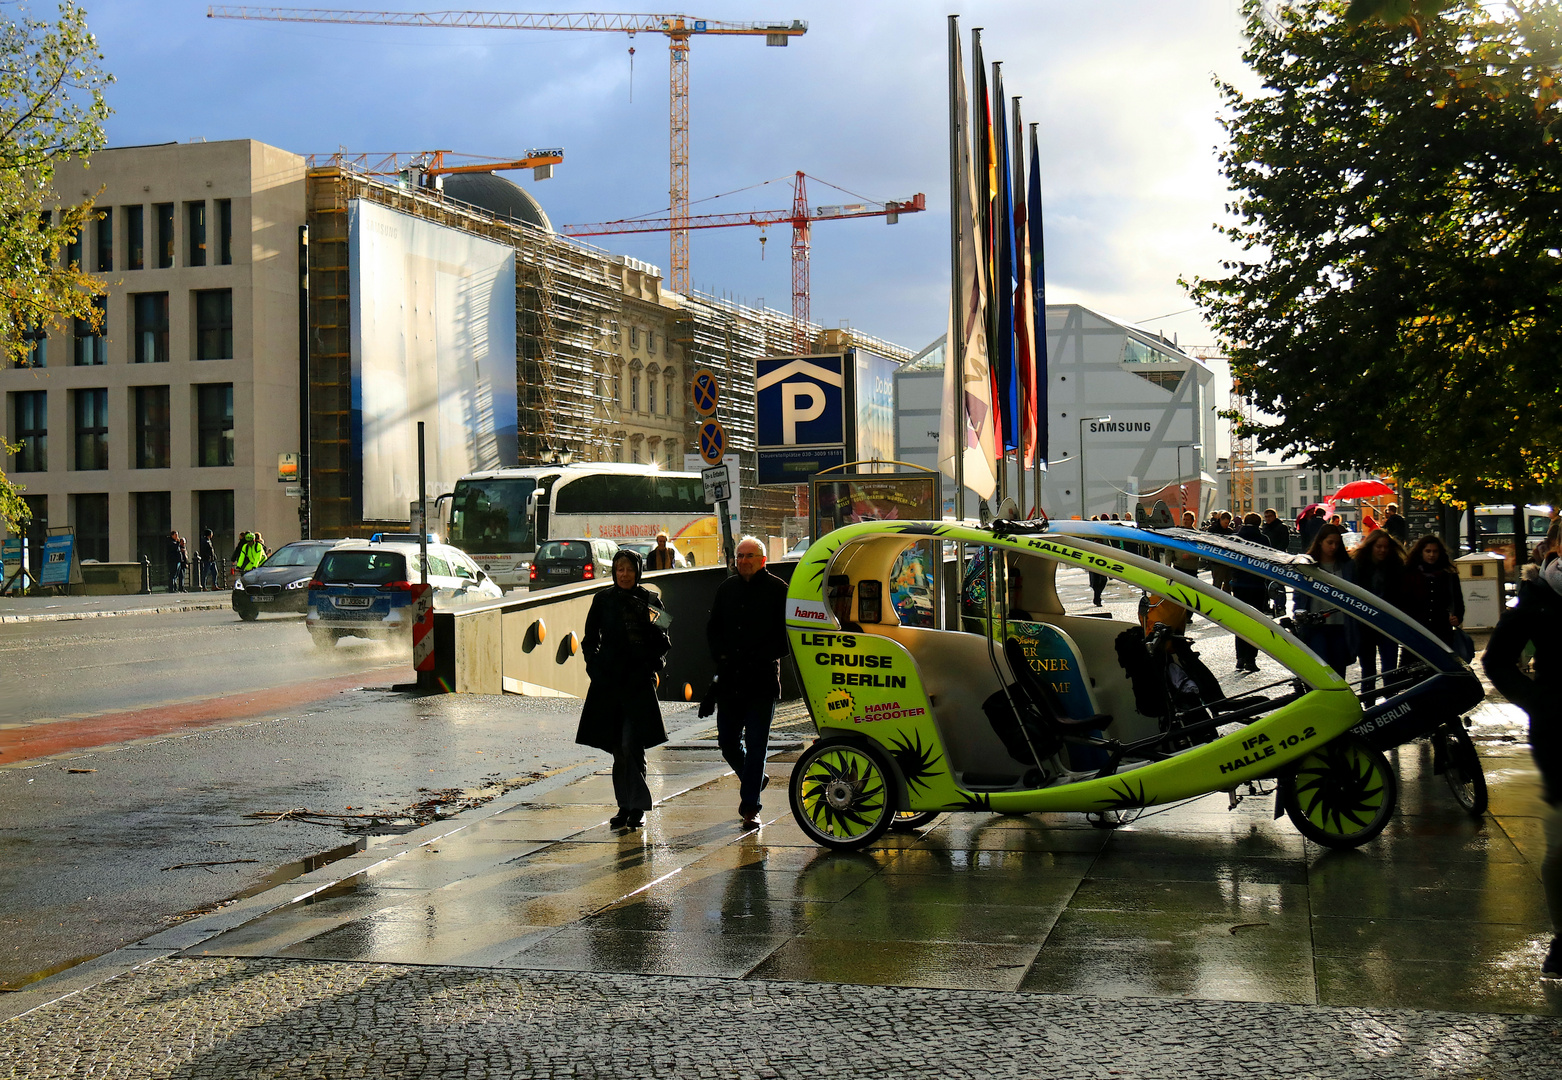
(1113, 425)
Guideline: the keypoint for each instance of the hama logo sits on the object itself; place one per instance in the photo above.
(808, 611)
(839, 704)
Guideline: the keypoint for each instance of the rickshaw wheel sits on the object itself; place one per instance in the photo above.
(906, 820)
(841, 794)
(1466, 779)
(1341, 794)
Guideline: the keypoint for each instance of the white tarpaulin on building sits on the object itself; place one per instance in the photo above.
(433, 339)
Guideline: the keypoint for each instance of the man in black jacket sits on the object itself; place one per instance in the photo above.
(747, 635)
(1537, 617)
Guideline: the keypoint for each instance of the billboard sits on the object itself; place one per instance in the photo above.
(875, 404)
(433, 340)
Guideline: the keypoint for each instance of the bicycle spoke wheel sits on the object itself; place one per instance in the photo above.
(1466, 779)
(841, 794)
(1341, 794)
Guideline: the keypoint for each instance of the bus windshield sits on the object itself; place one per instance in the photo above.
(489, 516)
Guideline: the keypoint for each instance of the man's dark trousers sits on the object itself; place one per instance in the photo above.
(743, 734)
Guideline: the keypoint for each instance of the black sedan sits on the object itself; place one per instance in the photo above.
(281, 583)
(560, 562)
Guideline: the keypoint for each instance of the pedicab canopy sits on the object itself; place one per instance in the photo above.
(1024, 705)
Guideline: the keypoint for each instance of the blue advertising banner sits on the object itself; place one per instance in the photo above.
(57, 552)
(875, 406)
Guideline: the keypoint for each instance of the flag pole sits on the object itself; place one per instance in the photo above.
(1038, 263)
(954, 351)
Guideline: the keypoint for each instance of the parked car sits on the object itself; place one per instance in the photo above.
(364, 589)
(800, 547)
(560, 562)
(281, 583)
(643, 548)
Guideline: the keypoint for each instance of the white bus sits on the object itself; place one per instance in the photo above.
(501, 516)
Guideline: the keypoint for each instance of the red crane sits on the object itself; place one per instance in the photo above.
(801, 217)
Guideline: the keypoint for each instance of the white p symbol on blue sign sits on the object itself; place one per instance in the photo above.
(795, 394)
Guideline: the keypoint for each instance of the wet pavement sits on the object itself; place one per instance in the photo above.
(528, 938)
(499, 942)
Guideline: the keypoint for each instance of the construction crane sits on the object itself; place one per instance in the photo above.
(801, 217)
(679, 29)
(427, 165)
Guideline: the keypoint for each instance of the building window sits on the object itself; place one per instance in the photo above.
(225, 231)
(105, 237)
(1301, 484)
(1329, 480)
(89, 514)
(73, 251)
(151, 404)
(32, 431)
(1263, 485)
(91, 346)
(1280, 486)
(634, 454)
(214, 324)
(37, 348)
(165, 234)
(195, 232)
(618, 392)
(153, 524)
(650, 342)
(634, 392)
(214, 511)
(214, 424)
(634, 337)
(151, 327)
(135, 238)
(91, 408)
(650, 396)
(670, 450)
(667, 398)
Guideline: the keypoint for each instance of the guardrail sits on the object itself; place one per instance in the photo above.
(530, 642)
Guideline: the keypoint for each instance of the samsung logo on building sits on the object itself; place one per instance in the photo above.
(1116, 426)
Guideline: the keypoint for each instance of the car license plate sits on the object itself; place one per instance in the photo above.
(352, 601)
(560, 571)
(261, 599)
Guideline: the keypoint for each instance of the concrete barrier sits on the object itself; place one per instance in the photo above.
(529, 643)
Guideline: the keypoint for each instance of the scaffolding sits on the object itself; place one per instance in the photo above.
(569, 303)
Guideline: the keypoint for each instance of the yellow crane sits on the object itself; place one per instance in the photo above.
(678, 29)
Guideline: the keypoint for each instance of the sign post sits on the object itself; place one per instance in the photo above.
(422, 595)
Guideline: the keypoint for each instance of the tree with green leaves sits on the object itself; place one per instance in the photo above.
(51, 109)
(1398, 301)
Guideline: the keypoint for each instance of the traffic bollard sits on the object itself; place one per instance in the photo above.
(146, 576)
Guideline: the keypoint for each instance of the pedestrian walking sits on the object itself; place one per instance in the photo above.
(1250, 589)
(1429, 589)
(1378, 567)
(1097, 581)
(624, 649)
(1188, 564)
(661, 556)
(1395, 525)
(1276, 535)
(208, 557)
(1328, 636)
(178, 561)
(1309, 525)
(1536, 618)
(747, 637)
(1220, 575)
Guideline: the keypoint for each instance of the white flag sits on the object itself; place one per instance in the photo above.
(969, 382)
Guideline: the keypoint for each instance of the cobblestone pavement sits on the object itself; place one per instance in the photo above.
(260, 1018)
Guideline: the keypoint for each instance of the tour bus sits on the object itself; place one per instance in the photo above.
(501, 516)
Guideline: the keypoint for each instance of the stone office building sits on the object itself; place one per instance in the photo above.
(154, 423)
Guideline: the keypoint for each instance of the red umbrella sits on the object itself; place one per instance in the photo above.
(1362, 489)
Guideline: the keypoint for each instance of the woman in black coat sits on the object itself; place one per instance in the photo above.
(1429, 591)
(1378, 566)
(624, 650)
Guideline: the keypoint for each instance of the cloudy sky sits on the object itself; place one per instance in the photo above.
(1122, 91)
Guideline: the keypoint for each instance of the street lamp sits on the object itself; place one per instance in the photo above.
(1193, 456)
(1083, 420)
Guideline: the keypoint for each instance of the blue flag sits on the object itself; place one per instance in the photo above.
(1039, 290)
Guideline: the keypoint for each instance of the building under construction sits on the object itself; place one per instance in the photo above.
(597, 340)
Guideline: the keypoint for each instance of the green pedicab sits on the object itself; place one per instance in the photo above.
(1037, 709)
